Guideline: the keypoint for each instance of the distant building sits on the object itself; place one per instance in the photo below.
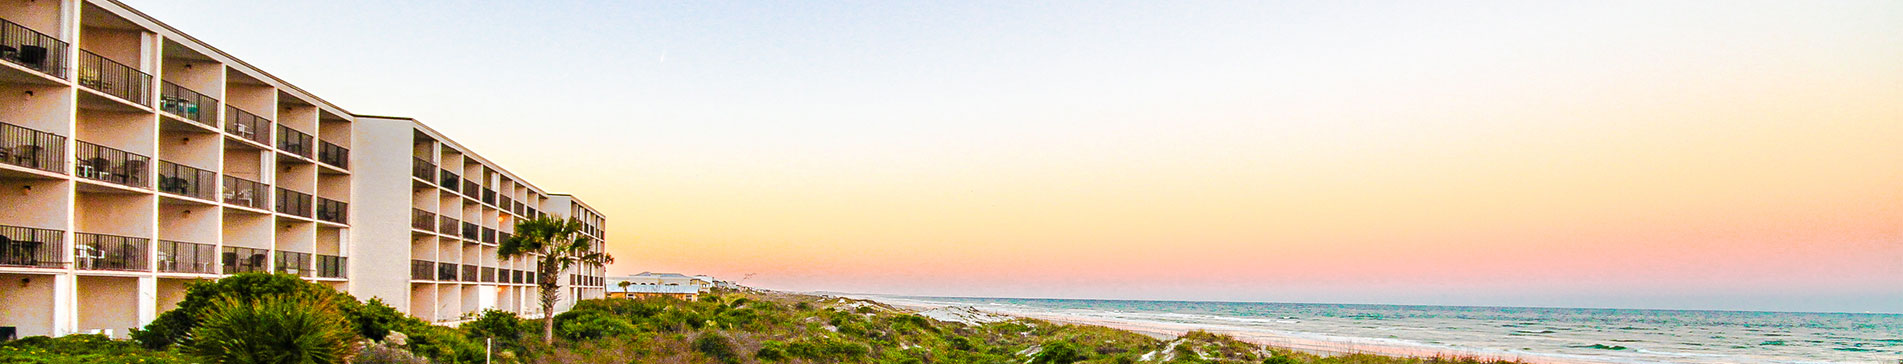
(681, 292)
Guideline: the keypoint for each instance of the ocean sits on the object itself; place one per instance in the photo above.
(1529, 333)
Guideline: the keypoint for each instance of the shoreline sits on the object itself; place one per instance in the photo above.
(1311, 343)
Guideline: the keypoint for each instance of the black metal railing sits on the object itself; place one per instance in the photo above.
(445, 271)
(471, 189)
(489, 196)
(471, 231)
(422, 269)
(333, 154)
(182, 180)
(31, 247)
(32, 148)
(447, 225)
(489, 235)
(188, 104)
(30, 48)
(294, 263)
(246, 125)
(489, 274)
(114, 78)
(332, 210)
(244, 192)
(469, 273)
(109, 252)
(422, 169)
(294, 142)
(293, 203)
(110, 165)
(331, 266)
(449, 180)
(422, 220)
(505, 204)
(183, 257)
(243, 260)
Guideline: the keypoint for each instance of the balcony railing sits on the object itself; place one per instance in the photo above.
(447, 225)
(331, 266)
(246, 125)
(294, 142)
(489, 196)
(489, 274)
(188, 104)
(471, 231)
(114, 78)
(31, 247)
(333, 155)
(471, 189)
(294, 263)
(422, 169)
(244, 192)
(293, 203)
(244, 260)
(422, 269)
(489, 235)
(449, 180)
(186, 181)
(445, 271)
(469, 273)
(183, 257)
(422, 220)
(110, 165)
(109, 252)
(26, 47)
(506, 204)
(32, 148)
(332, 210)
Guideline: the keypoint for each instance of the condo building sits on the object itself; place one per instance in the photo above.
(135, 159)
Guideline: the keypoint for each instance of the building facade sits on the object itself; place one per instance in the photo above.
(135, 159)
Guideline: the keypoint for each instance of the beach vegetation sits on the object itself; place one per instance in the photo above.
(292, 328)
(556, 244)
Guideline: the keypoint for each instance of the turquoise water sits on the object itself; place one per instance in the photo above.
(1609, 335)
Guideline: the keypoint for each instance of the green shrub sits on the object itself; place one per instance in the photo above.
(83, 349)
(374, 319)
(825, 349)
(442, 344)
(771, 351)
(384, 354)
(175, 326)
(500, 325)
(582, 325)
(1281, 359)
(290, 329)
(1059, 352)
(716, 346)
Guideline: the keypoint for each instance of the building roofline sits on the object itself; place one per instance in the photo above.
(235, 59)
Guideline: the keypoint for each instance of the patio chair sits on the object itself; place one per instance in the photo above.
(87, 256)
(93, 168)
(27, 155)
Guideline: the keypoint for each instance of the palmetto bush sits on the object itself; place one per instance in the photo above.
(290, 328)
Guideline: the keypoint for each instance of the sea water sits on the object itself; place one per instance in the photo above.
(1565, 334)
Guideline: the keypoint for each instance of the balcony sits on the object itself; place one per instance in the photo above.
(422, 169)
(109, 252)
(186, 181)
(331, 266)
(183, 257)
(293, 203)
(32, 148)
(446, 271)
(333, 155)
(110, 165)
(502, 237)
(489, 274)
(422, 220)
(243, 260)
(32, 49)
(188, 104)
(505, 204)
(489, 235)
(332, 210)
(471, 231)
(448, 225)
(469, 273)
(422, 270)
(295, 142)
(489, 196)
(244, 192)
(294, 263)
(114, 78)
(471, 189)
(449, 180)
(30, 247)
(247, 125)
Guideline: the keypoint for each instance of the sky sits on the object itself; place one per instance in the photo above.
(1732, 155)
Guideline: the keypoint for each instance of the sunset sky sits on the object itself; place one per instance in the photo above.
(1720, 155)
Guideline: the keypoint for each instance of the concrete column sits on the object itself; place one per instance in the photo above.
(148, 300)
(65, 304)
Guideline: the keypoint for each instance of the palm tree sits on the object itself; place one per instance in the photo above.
(556, 245)
(624, 287)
